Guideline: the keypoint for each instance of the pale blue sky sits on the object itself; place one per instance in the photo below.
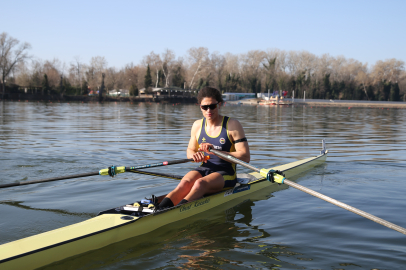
(125, 31)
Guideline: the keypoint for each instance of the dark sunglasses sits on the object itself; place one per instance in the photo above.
(211, 106)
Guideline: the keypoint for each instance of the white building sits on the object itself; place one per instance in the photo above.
(237, 96)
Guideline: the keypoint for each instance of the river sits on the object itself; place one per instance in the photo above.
(288, 229)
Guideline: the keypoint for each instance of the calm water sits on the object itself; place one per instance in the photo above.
(288, 229)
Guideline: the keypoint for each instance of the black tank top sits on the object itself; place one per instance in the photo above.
(220, 142)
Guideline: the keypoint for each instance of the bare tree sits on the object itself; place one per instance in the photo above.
(388, 70)
(131, 76)
(24, 75)
(75, 72)
(54, 70)
(217, 65)
(37, 74)
(402, 85)
(97, 66)
(154, 61)
(167, 64)
(233, 71)
(364, 79)
(352, 68)
(301, 64)
(11, 55)
(232, 63)
(309, 63)
(337, 67)
(112, 78)
(251, 67)
(198, 60)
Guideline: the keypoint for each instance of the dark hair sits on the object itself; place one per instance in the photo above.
(209, 92)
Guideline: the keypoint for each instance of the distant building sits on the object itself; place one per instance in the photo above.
(237, 96)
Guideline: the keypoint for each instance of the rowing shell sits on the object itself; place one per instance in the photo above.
(117, 224)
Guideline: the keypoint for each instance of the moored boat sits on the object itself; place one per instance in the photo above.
(276, 101)
(127, 221)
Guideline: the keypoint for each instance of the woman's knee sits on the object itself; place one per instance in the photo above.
(200, 184)
(184, 184)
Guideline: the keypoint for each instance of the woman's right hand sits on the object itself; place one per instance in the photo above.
(199, 157)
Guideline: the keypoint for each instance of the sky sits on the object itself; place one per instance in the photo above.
(126, 31)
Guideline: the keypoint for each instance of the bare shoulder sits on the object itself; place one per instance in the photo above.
(196, 127)
(235, 129)
(197, 124)
(234, 124)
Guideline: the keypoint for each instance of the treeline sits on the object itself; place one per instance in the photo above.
(320, 77)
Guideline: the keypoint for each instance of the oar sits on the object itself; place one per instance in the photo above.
(112, 171)
(273, 176)
(172, 176)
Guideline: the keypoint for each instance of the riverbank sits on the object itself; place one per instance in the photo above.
(67, 98)
(193, 100)
(330, 103)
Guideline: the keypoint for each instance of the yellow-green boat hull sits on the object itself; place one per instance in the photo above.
(103, 230)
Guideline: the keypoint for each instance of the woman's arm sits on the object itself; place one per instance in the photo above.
(193, 147)
(236, 132)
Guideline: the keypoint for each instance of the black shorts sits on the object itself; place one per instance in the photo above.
(230, 176)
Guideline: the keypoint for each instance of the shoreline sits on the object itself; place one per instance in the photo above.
(329, 103)
(193, 100)
(85, 99)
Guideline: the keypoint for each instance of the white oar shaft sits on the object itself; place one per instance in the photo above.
(346, 206)
(316, 194)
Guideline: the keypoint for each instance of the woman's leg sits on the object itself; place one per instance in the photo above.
(211, 183)
(184, 187)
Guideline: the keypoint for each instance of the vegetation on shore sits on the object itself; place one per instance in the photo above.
(298, 72)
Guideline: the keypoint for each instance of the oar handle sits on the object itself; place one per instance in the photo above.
(234, 160)
(116, 170)
(165, 163)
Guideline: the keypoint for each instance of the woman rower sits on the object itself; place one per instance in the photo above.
(217, 132)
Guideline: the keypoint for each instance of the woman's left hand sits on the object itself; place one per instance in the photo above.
(205, 147)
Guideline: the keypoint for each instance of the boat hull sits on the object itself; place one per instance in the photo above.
(103, 230)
